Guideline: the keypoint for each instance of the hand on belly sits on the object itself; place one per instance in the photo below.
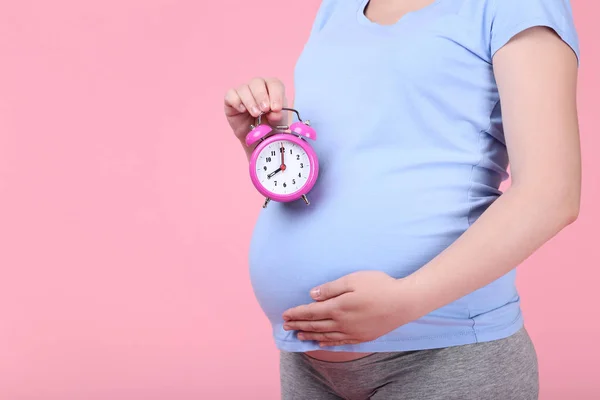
(356, 308)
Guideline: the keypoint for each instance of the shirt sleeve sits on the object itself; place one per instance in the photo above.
(511, 17)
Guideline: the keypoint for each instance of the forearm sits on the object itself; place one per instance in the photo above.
(508, 232)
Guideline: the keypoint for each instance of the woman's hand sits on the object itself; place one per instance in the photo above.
(356, 308)
(259, 96)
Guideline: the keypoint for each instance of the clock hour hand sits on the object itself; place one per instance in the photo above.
(273, 173)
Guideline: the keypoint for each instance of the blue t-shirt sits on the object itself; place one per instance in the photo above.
(411, 150)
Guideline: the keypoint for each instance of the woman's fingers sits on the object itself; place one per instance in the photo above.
(258, 87)
(310, 312)
(257, 97)
(323, 336)
(326, 325)
(338, 343)
(248, 99)
(234, 102)
(276, 92)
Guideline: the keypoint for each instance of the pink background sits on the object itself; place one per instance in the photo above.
(126, 209)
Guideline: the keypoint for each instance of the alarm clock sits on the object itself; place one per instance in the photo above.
(283, 166)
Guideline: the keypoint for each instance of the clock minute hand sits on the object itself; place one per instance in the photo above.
(282, 157)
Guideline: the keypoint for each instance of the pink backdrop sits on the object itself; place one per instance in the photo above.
(126, 209)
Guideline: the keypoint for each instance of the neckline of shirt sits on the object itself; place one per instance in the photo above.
(365, 21)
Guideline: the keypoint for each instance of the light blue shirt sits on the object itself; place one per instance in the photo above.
(412, 152)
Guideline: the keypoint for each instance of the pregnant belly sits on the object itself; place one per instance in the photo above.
(295, 248)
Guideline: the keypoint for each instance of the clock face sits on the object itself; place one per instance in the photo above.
(283, 167)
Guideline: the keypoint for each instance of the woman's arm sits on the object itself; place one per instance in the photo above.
(536, 73)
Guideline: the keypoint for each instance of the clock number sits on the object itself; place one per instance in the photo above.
(284, 185)
(297, 156)
(275, 183)
(299, 174)
(281, 150)
(301, 165)
(290, 151)
(273, 153)
(265, 167)
(268, 159)
(293, 181)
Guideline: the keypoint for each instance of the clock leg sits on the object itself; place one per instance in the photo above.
(267, 200)
(305, 199)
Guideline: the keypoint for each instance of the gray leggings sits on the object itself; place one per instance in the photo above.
(504, 369)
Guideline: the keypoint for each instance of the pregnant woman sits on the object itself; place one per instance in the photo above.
(398, 280)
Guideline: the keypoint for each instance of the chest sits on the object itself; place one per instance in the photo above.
(353, 64)
(409, 84)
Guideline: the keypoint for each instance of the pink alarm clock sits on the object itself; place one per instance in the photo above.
(283, 166)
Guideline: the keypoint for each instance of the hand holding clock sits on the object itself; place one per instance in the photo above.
(257, 114)
(246, 102)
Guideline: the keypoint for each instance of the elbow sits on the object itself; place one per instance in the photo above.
(566, 208)
(570, 194)
(559, 203)
(571, 212)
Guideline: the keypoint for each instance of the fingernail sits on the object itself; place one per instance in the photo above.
(242, 108)
(255, 110)
(300, 336)
(264, 106)
(286, 327)
(274, 105)
(316, 292)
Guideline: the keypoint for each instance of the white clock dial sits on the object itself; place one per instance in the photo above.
(283, 167)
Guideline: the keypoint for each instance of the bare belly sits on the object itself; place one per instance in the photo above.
(335, 356)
